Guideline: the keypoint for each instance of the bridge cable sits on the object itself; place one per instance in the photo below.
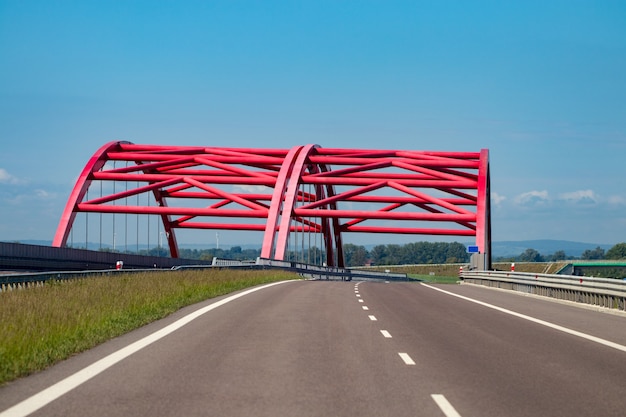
(87, 222)
(137, 217)
(100, 216)
(126, 214)
(113, 221)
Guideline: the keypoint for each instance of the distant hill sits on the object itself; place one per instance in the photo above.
(544, 247)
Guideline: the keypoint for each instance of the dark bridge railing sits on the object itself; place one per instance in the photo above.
(22, 257)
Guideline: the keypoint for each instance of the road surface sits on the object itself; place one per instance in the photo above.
(316, 348)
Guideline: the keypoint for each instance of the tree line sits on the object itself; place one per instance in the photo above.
(616, 252)
(393, 254)
(354, 255)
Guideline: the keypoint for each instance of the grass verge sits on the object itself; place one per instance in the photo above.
(435, 279)
(44, 325)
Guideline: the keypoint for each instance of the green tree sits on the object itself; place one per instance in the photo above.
(595, 254)
(414, 253)
(360, 256)
(616, 252)
(394, 254)
(378, 254)
(531, 255)
(354, 255)
(456, 252)
(558, 256)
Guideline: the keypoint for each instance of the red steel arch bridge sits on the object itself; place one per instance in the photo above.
(290, 196)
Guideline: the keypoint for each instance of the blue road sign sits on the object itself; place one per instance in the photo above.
(472, 249)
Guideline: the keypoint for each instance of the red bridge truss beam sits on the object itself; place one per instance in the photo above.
(280, 191)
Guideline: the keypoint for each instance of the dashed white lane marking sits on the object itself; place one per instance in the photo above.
(358, 295)
(372, 318)
(41, 399)
(365, 308)
(386, 334)
(445, 405)
(406, 358)
(538, 321)
(360, 300)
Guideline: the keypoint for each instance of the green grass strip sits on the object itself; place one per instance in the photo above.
(43, 325)
(435, 279)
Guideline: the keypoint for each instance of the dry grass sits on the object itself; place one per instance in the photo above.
(43, 325)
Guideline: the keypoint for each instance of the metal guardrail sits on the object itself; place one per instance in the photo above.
(602, 292)
(24, 280)
(305, 270)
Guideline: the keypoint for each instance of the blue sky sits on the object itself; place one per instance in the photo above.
(541, 84)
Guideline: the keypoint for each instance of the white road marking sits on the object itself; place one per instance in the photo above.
(534, 320)
(372, 318)
(365, 308)
(360, 300)
(445, 406)
(41, 399)
(386, 334)
(358, 295)
(406, 358)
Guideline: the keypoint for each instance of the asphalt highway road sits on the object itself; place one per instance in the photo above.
(317, 348)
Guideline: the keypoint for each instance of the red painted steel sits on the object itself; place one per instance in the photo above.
(350, 191)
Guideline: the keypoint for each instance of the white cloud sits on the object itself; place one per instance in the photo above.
(497, 199)
(580, 196)
(6, 178)
(44, 195)
(616, 200)
(251, 189)
(532, 198)
(33, 195)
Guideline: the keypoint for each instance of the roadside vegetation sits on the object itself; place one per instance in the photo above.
(40, 326)
(435, 279)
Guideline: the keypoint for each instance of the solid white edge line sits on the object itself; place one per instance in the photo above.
(386, 334)
(43, 398)
(445, 406)
(538, 321)
(406, 358)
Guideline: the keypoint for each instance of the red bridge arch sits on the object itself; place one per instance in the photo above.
(305, 189)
